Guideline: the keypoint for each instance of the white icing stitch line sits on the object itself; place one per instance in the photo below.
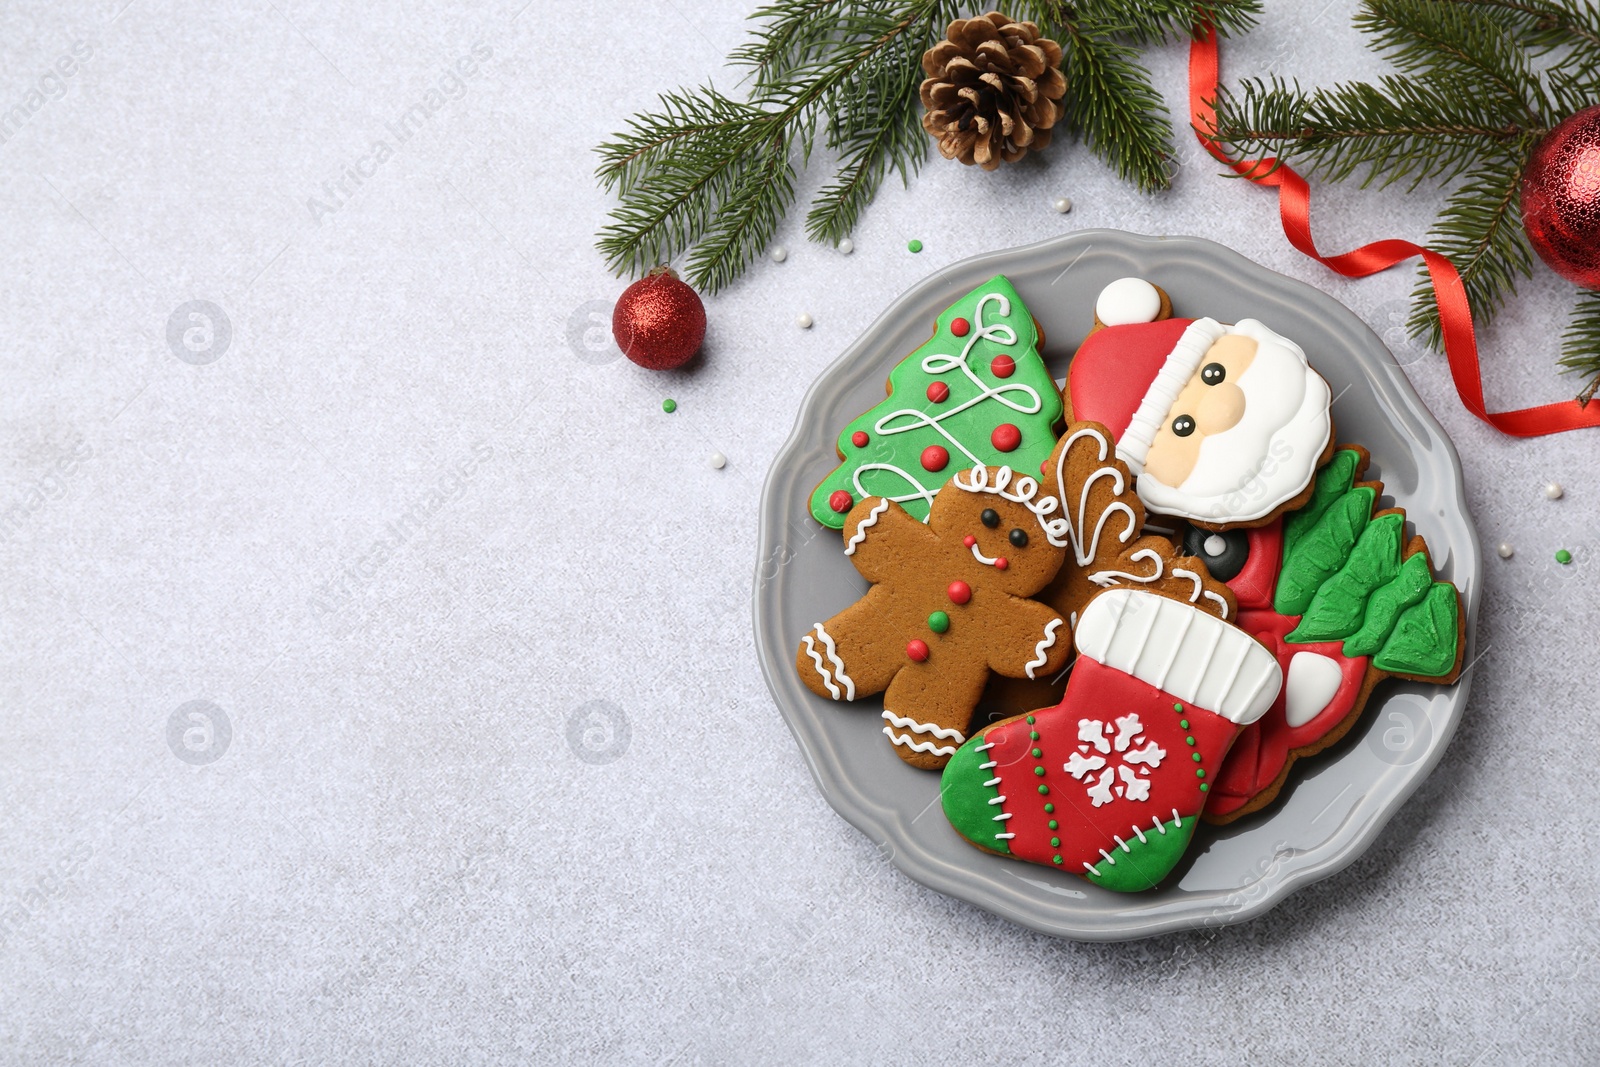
(1041, 650)
(861, 529)
(833, 657)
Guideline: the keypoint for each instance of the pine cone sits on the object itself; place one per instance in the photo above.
(992, 91)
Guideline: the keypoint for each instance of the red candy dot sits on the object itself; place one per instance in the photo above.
(935, 458)
(859, 439)
(938, 392)
(1044, 466)
(841, 501)
(959, 327)
(1000, 563)
(969, 540)
(1003, 366)
(917, 650)
(1006, 437)
(959, 592)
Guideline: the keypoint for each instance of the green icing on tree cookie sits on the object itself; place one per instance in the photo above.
(1320, 551)
(1424, 640)
(1146, 862)
(966, 798)
(1333, 481)
(978, 392)
(1387, 603)
(1339, 608)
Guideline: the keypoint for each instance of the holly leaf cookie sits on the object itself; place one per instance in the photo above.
(1343, 599)
(1110, 783)
(1224, 426)
(976, 394)
(949, 605)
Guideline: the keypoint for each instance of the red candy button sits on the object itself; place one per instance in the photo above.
(935, 458)
(1044, 466)
(918, 651)
(1006, 437)
(969, 540)
(1000, 563)
(959, 327)
(1003, 366)
(841, 501)
(938, 392)
(959, 592)
(860, 439)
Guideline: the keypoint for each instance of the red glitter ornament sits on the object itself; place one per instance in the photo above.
(1561, 198)
(659, 321)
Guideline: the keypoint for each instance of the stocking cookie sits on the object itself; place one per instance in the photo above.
(1110, 783)
(1343, 600)
(948, 606)
(1222, 425)
(976, 394)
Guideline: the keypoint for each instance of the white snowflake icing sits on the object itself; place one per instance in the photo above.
(1116, 768)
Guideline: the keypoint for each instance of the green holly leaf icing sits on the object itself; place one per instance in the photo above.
(1323, 549)
(1387, 603)
(1424, 640)
(1339, 608)
(1148, 858)
(910, 420)
(1333, 481)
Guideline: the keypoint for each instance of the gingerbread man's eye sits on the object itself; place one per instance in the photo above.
(1019, 538)
(1213, 373)
(990, 517)
(1183, 426)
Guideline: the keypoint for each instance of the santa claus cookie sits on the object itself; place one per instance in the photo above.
(1343, 599)
(1110, 782)
(977, 394)
(948, 605)
(1222, 425)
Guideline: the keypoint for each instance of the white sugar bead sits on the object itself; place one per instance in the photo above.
(1553, 491)
(1215, 545)
(803, 321)
(718, 460)
(846, 246)
(1505, 550)
(778, 253)
(1063, 204)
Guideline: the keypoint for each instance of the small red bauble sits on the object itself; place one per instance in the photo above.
(1561, 198)
(1003, 366)
(1006, 438)
(859, 439)
(935, 458)
(840, 501)
(918, 651)
(659, 321)
(938, 392)
(959, 592)
(959, 327)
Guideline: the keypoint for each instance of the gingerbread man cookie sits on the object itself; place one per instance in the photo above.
(948, 606)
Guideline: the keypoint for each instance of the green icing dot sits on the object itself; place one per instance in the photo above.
(1055, 859)
(1563, 556)
(669, 405)
(1199, 774)
(1054, 825)
(1177, 707)
(1038, 752)
(1055, 842)
(1183, 724)
(1049, 807)
(1189, 739)
(1039, 771)
(914, 245)
(1044, 790)
(1030, 720)
(1033, 735)
(938, 622)
(1204, 788)
(1197, 757)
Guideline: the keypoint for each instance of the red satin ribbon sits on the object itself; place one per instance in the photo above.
(1455, 313)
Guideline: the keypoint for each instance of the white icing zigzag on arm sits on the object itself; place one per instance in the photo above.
(938, 364)
(923, 727)
(833, 657)
(1041, 650)
(861, 528)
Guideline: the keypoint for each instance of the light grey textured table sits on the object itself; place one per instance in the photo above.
(399, 534)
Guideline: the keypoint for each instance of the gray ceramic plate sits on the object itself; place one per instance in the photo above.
(1335, 804)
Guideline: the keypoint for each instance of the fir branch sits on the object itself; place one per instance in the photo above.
(1480, 232)
(1141, 21)
(793, 34)
(1455, 44)
(1543, 26)
(1111, 102)
(1580, 345)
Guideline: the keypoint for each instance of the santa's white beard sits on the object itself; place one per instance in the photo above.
(1270, 455)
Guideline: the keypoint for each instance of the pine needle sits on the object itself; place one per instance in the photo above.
(1580, 345)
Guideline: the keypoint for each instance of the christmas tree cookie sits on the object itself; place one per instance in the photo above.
(977, 394)
(1110, 783)
(1344, 600)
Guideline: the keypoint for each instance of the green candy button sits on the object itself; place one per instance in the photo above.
(938, 622)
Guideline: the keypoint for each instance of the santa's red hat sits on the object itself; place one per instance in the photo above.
(1128, 375)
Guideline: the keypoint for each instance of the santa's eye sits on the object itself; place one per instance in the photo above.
(1019, 538)
(1213, 373)
(990, 517)
(1183, 426)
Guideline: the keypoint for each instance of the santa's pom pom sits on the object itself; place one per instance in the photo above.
(1126, 301)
